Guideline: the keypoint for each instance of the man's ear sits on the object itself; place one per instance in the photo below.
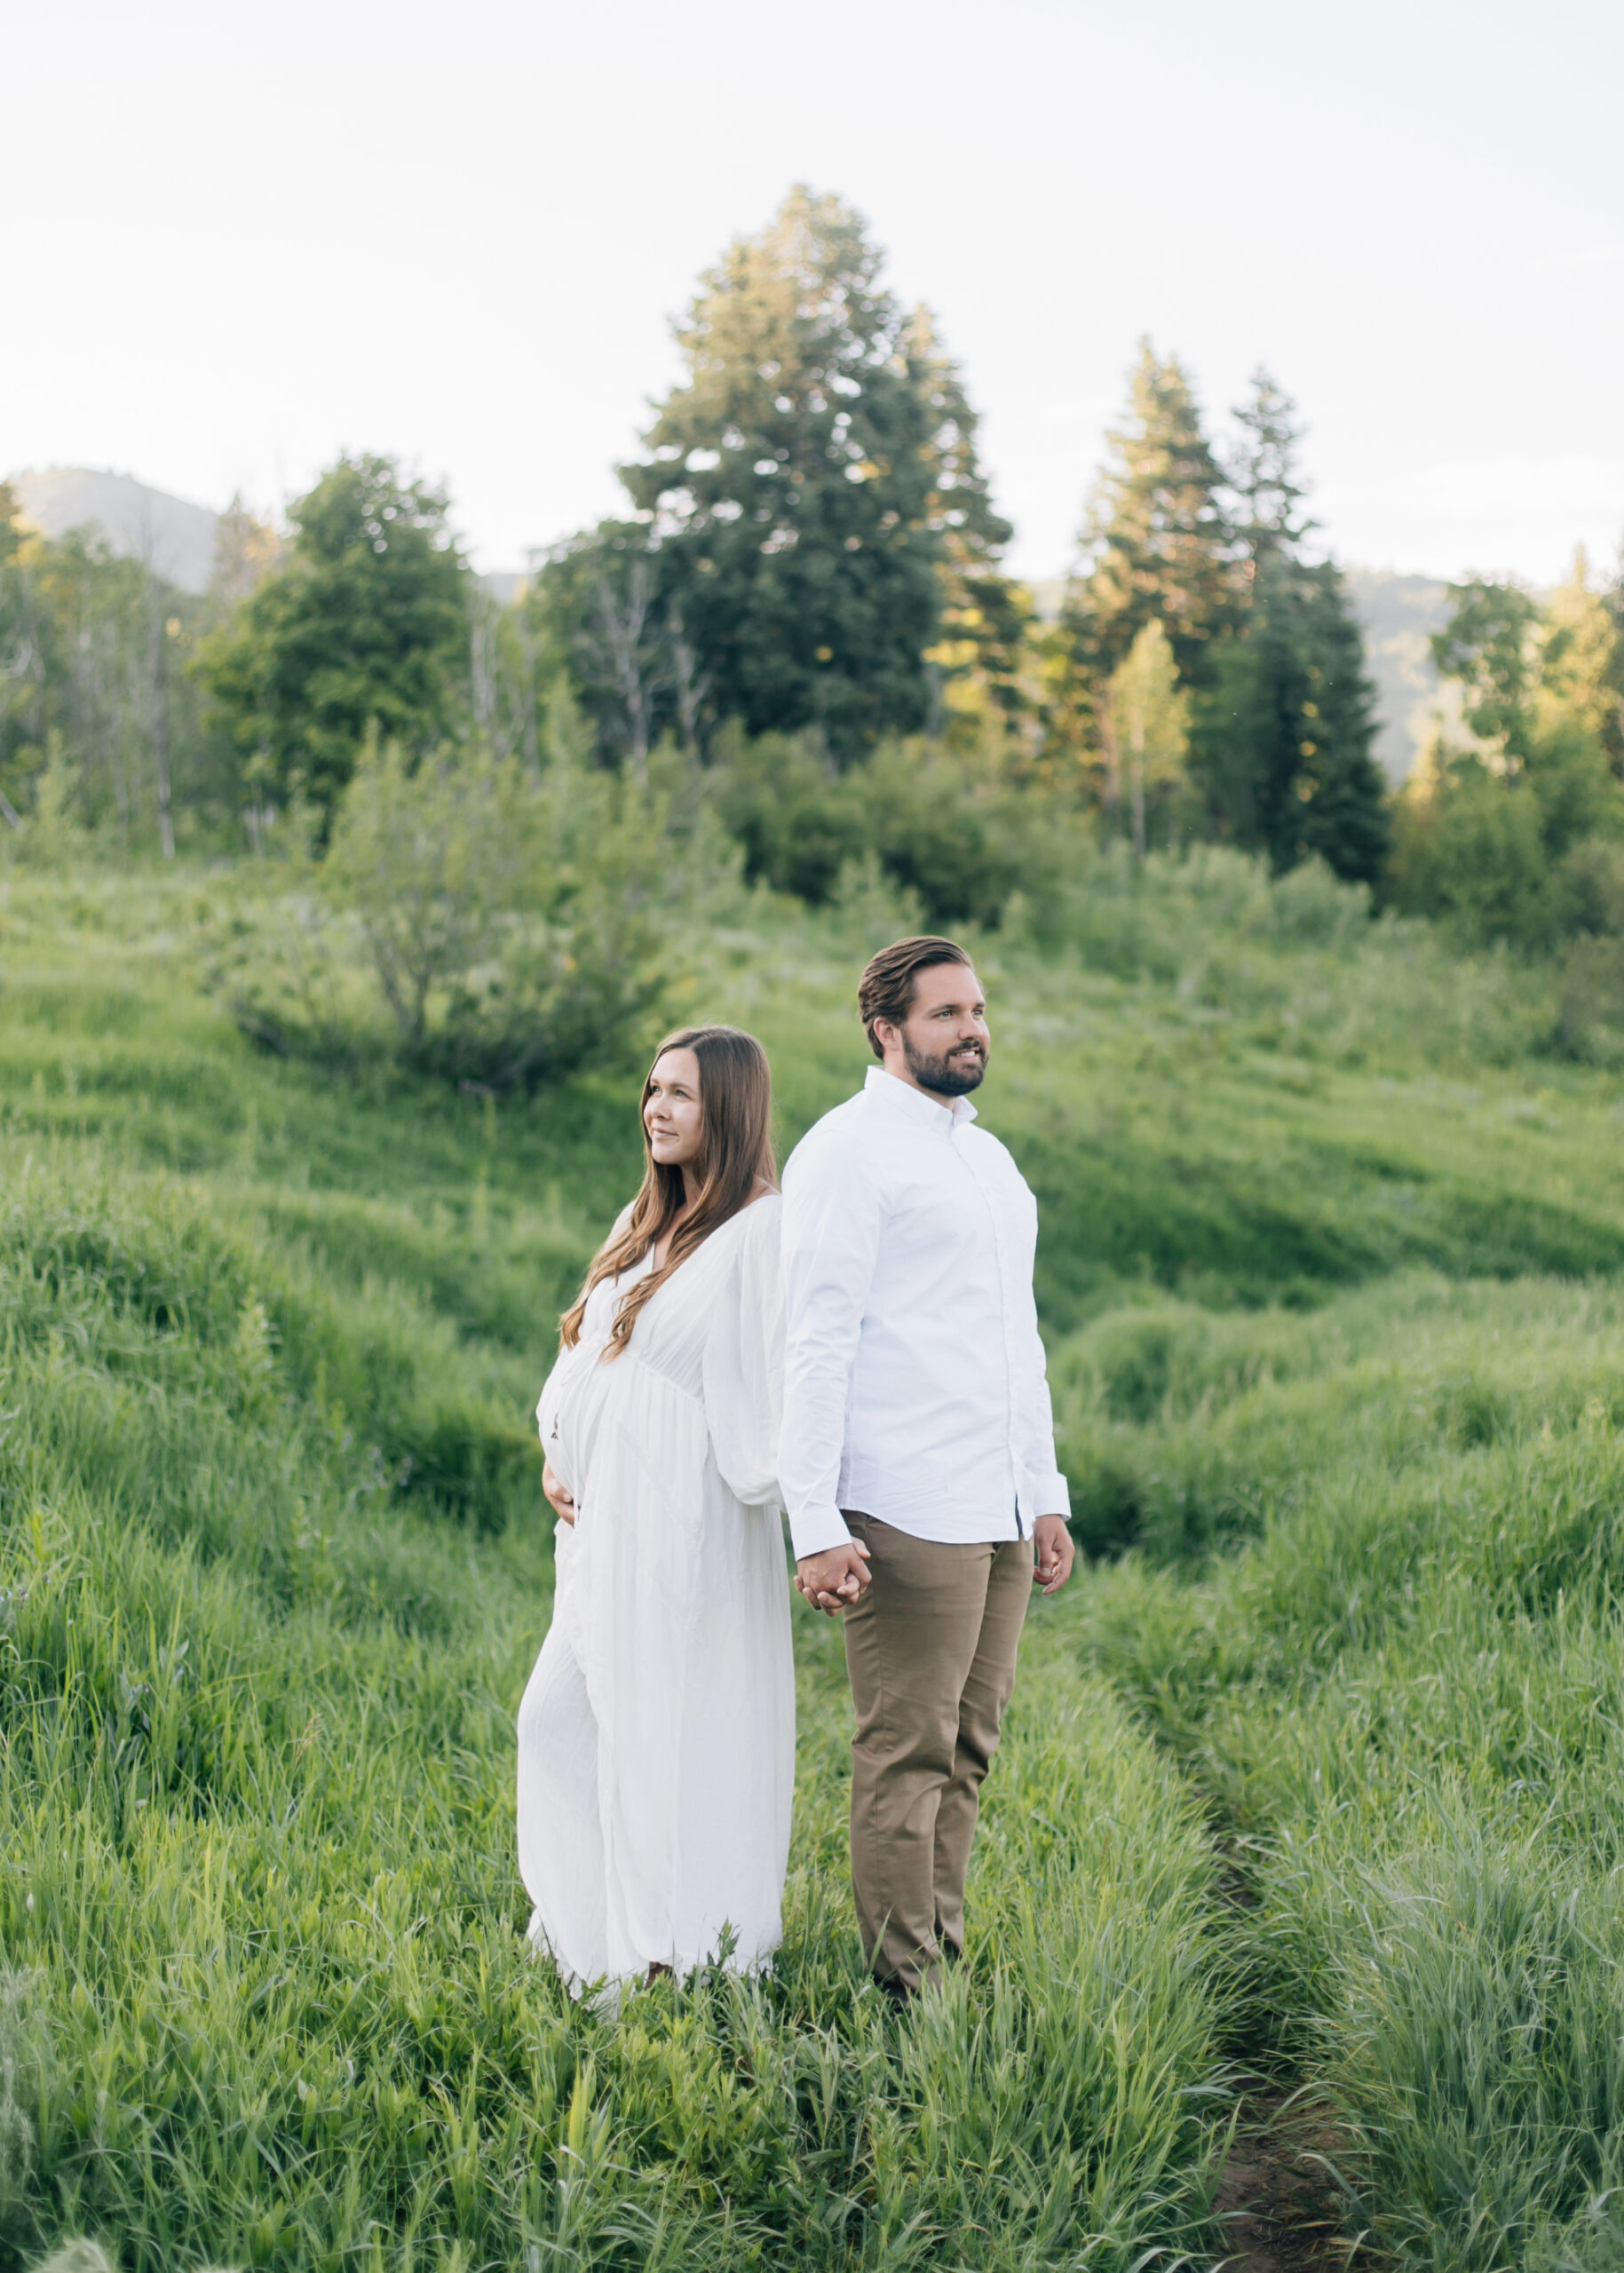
(884, 1034)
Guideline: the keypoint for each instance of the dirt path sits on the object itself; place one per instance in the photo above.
(1281, 2209)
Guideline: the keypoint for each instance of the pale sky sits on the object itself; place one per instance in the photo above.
(240, 239)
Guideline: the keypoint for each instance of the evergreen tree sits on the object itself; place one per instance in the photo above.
(1283, 734)
(1157, 540)
(984, 615)
(802, 485)
(1263, 476)
(364, 624)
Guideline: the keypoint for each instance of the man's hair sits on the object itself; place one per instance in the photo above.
(887, 988)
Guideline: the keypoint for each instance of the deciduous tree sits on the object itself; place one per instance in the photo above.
(363, 625)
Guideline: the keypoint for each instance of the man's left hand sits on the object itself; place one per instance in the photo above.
(1055, 1553)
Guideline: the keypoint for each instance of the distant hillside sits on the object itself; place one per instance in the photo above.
(174, 537)
(1396, 615)
(171, 535)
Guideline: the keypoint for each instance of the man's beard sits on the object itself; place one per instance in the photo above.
(951, 1075)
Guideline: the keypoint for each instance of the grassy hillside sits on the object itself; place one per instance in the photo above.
(1310, 1776)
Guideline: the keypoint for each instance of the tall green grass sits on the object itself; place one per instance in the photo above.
(1330, 1268)
(1404, 1700)
(273, 1571)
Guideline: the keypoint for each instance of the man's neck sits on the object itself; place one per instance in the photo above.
(902, 1073)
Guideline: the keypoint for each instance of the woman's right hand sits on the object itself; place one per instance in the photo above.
(558, 1493)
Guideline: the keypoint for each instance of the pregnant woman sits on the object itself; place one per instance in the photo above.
(656, 1738)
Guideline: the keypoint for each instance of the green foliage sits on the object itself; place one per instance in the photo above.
(1513, 836)
(1476, 855)
(1267, 651)
(1485, 647)
(1157, 536)
(92, 694)
(363, 625)
(808, 482)
(608, 626)
(475, 920)
(1148, 715)
(960, 845)
(1282, 744)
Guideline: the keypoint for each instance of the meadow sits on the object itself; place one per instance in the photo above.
(1310, 1786)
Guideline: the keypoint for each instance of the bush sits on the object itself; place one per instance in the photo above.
(1591, 1014)
(798, 823)
(960, 843)
(1591, 889)
(476, 921)
(1475, 855)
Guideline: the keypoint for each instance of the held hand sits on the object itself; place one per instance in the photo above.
(834, 1579)
(1055, 1553)
(558, 1493)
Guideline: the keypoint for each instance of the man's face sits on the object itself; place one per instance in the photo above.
(943, 1041)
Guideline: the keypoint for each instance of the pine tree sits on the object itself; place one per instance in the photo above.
(984, 614)
(806, 481)
(1157, 540)
(1283, 733)
(1263, 475)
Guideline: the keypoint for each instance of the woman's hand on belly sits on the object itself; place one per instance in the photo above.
(558, 1493)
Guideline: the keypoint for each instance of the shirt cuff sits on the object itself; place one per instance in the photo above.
(1049, 1494)
(816, 1529)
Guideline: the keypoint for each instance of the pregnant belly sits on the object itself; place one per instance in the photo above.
(587, 1398)
(627, 1434)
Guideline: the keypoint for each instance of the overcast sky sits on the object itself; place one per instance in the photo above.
(240, 239)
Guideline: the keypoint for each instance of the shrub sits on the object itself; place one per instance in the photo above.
(475, 921)
(1476, 856)
(961, 843)
(1591, 1014)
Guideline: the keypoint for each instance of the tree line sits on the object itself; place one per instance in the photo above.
(804, 601)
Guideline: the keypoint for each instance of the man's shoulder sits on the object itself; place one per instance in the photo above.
(828, 1139)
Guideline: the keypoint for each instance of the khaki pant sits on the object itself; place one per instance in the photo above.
(930, 1653)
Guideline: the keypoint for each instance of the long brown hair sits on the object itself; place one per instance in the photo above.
(735, 1095)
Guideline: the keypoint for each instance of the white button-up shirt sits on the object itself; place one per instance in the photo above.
(913, 1386)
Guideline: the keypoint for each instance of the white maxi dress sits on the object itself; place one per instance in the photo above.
(656, 1737)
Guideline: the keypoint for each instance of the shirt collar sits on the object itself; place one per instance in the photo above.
(914, 1105)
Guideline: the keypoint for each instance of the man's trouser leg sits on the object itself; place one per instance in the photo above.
(930, 1652)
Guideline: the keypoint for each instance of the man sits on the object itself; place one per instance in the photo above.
(917, 1459)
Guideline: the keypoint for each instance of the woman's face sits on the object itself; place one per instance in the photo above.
(672, 1115)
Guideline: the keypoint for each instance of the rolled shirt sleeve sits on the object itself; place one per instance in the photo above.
(832, 1221)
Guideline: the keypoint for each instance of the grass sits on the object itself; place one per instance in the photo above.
(1312, 1772)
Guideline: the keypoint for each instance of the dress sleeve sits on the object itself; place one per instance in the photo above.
(744, 1363)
